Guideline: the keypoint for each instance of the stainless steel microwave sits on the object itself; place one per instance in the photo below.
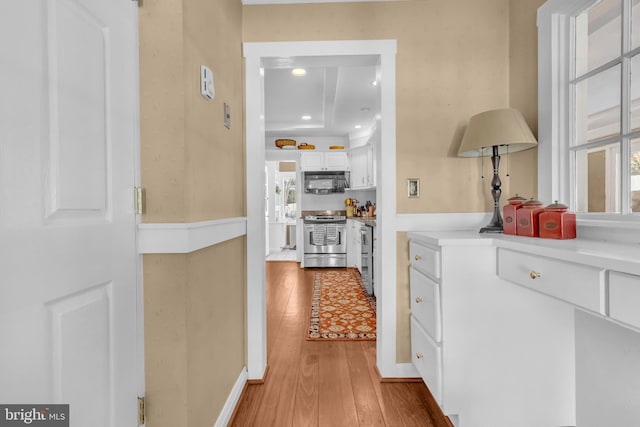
(325, 182)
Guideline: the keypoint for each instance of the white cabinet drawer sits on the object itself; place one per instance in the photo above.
(577, 284)
(427, 358)
(624, 298)
(425, 303)
(425, 259)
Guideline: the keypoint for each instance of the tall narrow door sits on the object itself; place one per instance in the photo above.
(68, 132)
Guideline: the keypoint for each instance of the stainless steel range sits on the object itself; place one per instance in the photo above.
(325, 241)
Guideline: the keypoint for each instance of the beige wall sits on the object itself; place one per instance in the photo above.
(455, 59)
(192, 169)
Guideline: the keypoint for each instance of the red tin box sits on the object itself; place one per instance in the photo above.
(509, 214)
(527, 218)
(557, 223)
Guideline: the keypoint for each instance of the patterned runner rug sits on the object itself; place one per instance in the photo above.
(340, 308)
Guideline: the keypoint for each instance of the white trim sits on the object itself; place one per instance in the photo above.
(385, 232)
(405, 370)
(255, 158)
(254, 2)
(182, 238)
(442, 221)
(385, 196)
(232, 400)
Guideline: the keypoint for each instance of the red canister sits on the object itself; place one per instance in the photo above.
(509, 214)
(527, 218)
(557, 223)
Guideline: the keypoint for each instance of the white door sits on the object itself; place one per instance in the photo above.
(68, 132)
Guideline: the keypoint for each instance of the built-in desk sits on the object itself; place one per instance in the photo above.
(515, 331)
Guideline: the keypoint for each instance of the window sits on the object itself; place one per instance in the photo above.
(589, 59)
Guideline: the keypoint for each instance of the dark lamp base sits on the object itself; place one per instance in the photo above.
(491, 229)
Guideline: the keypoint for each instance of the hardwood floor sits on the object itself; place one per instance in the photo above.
(318, 383)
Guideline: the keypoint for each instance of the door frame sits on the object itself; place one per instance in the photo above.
(385, 196)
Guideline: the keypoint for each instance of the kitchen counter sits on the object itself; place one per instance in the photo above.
(323, 213)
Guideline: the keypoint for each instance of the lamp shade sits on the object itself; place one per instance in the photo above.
(502, 128)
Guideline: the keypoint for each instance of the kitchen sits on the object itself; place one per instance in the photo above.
(331, 220)
(322, 127)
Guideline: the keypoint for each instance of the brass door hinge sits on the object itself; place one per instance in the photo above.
(139, 202)
(141, 403)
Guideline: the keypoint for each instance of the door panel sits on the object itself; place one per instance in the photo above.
(79, 104)
(80, 325)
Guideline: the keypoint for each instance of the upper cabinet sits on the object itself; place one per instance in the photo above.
(324, 161)
(362, 161)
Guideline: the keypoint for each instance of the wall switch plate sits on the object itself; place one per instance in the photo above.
(206, 83)
(227, 115)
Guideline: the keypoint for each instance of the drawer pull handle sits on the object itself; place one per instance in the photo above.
(418, 257)
(534, 275)
(418, 300)
(419, 355)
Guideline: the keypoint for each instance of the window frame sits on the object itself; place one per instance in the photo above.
(556, 166)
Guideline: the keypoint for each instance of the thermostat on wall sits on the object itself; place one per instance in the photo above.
(206, 83)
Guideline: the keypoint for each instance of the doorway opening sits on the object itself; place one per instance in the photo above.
(281, 210)
(256, 55)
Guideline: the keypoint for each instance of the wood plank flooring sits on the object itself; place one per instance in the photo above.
(323, 384)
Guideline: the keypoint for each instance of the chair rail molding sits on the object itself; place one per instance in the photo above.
(182, 238)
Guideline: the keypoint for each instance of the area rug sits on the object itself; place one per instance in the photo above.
(340, 308)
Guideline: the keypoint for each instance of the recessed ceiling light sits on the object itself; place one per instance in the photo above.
(306, 117)
(365, 109)
(299, 72)
(357, 126)
(375, 83)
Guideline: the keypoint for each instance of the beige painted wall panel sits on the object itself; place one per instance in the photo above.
(403, 302)
(192, 170)
(165, 339)
(162, 139)
(215, 327)
(214, 153)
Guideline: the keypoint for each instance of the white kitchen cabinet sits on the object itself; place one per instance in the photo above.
(324, 161)
(362, 167)
(527, 324)
(357, 248)
(490, 352)
(353, 230)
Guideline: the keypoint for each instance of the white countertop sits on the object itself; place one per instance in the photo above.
(608, 255)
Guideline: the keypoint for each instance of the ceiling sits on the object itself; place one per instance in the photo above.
(337, 93)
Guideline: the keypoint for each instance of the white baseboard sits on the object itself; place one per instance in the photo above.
(405, 370)
(232, 400)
